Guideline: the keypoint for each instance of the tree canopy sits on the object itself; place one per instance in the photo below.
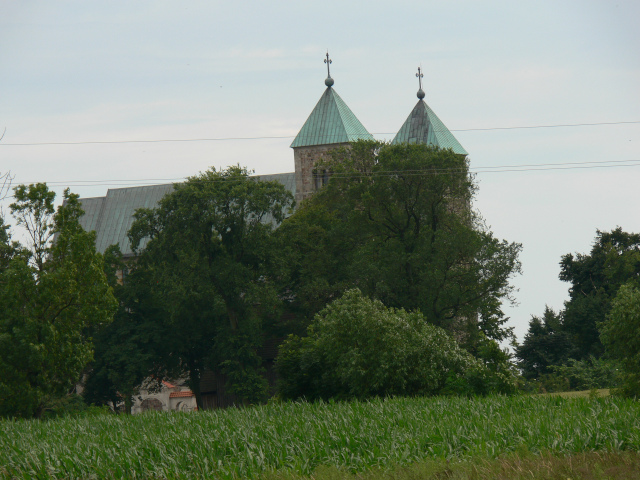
(595, 279)
(131, 349)
(396, 222)
(620, 334)
(207, 250)
(545, 345)
(52, 294)
(566, 344)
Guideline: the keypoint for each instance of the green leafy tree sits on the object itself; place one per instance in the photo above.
(358, 348)
(621, 335)
(8, 248)
(545, 344)
(210, 257)
(131, 348)
(52, 295)
(396, 221)
(595, 279)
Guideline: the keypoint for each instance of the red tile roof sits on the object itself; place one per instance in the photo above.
(185, 393)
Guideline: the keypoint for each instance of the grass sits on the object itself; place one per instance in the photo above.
(293, 440)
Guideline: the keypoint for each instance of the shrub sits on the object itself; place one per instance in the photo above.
(72, 405)
(620, 335)
(358, 348)
(590, 373)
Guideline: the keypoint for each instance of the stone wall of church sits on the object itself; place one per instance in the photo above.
(308, 181)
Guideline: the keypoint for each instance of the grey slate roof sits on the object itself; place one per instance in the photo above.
(331, 121)
(424, 126)
(111, 216)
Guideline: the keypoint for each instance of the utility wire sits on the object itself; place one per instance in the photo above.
(220, 139)
(386, 173)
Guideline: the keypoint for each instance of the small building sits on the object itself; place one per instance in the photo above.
(171, 397)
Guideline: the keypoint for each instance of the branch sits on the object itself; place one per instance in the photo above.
(5, 182)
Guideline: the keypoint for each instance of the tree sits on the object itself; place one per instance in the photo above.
(8, 248)
(595, 279)
(620, 334)
(51, 295)
(545, 344)
(358, 348)
(396, 222)
(131, 348)
(210, 255)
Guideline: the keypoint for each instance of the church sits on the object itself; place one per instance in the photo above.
(330, 125)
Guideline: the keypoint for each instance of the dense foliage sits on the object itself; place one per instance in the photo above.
(213, 280)
(546, 344)
(358, 348)
(595, 279)
(134, 345)
(207, 251)
(621, 335)
(298, 437)
(396, 221)
(558, 347)
(52, 294)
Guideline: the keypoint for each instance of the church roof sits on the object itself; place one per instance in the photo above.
(424, 126)
(111, 216)
(331, 121)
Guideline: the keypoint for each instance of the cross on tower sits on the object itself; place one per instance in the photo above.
(420, 91)
(328, 62)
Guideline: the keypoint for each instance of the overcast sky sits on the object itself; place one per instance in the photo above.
(116, 71)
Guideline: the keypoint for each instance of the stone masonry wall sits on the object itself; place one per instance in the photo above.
(305, 160)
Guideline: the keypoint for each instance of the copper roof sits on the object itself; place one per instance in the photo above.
(330, 122)
(424, 126)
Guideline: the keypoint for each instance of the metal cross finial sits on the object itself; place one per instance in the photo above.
(328, 62)
(420, 91)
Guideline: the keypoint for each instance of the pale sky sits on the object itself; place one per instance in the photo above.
(78, 71)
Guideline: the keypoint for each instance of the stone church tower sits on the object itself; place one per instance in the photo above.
(331, 124)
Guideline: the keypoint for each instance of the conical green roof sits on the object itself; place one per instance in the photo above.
(424, 126)
(331, 121)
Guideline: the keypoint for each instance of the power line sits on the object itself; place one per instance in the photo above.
(476, 170)
(545, 126)
(221, 139)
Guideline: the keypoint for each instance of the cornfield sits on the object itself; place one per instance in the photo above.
(298, 437)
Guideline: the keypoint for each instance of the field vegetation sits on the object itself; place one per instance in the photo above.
(330, 439)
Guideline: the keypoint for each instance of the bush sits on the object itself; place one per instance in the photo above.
(590, 373)
(358, 348)
(494, 373)
(620, 335)
(72, 405)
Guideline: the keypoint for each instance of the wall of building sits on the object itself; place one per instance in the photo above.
(306, 158)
